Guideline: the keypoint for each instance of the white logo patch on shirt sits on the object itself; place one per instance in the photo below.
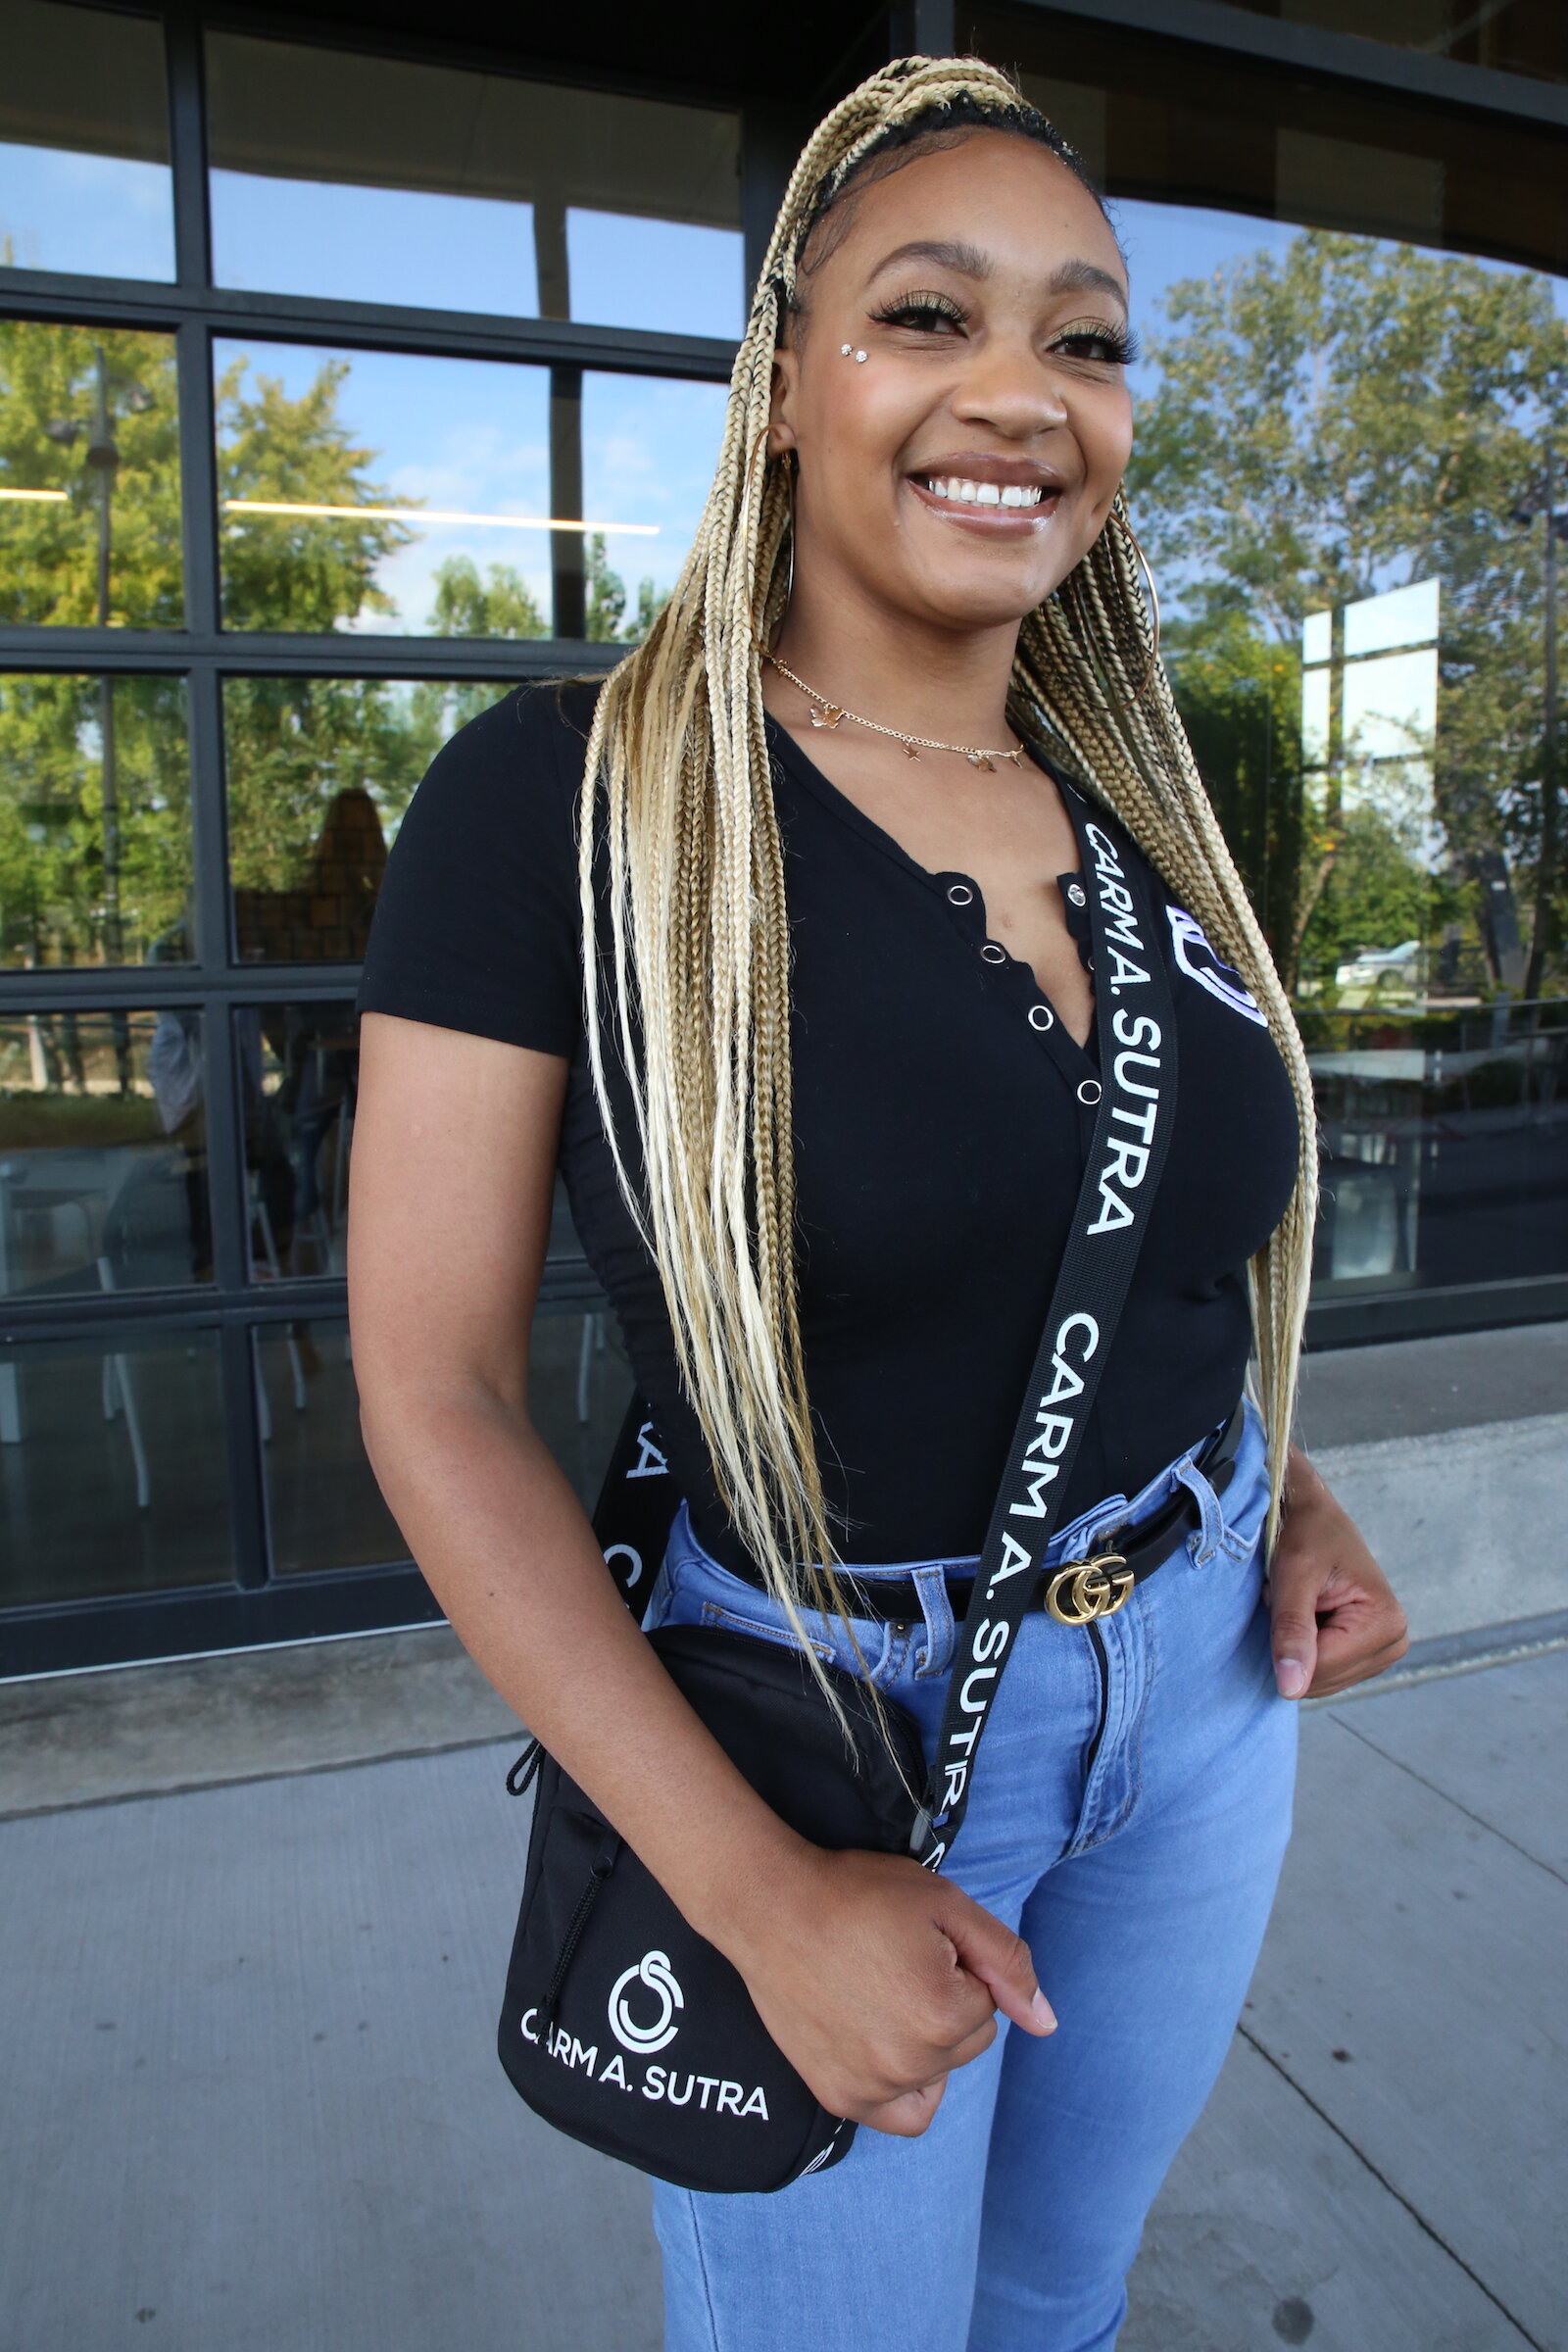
(1200, 962)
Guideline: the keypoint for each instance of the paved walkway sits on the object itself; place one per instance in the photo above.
(252, 2106)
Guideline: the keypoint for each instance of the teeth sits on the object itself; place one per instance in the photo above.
(962, 492)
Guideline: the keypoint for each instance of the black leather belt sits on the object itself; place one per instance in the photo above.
(1079, 1591)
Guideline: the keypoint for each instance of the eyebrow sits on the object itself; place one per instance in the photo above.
(967, 259)
(1077, 276)
(1086, 277)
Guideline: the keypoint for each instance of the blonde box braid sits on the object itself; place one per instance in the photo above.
(687, 965)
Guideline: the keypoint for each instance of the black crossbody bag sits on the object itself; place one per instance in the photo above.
(620, 2024)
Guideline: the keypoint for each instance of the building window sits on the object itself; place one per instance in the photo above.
(103, 1153)
(85, 177)
(371, 179)
(89, 477)
(339, 392)
(116, 1473)
(1513, 36)
(95, 836)
(453, 498)
(1355, 320)
(429, 405)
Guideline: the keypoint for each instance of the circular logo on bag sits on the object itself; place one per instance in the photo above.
(653, 1971)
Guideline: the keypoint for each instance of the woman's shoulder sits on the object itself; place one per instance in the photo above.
(477, 927)
(521, 757)
(498, 802)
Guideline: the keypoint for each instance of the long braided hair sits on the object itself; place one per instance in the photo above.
(687, 959)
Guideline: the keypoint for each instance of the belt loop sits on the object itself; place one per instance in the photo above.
(931, 1583)
(1205, 1540)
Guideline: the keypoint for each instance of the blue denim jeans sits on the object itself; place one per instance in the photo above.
(1140, 1872)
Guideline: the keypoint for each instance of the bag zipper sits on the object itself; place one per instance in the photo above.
(604, 1864)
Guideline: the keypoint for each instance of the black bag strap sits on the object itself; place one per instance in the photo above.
(1137, 1034)
(1136, 1037)
(636, 1509)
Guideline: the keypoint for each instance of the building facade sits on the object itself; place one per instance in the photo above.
(351, 370)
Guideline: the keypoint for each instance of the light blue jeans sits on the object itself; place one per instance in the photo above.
(1141, 1882)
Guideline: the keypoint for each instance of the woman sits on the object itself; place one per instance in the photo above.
(835, 812)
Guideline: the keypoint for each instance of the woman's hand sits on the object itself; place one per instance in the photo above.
(1336, 1619)
(878, 1978)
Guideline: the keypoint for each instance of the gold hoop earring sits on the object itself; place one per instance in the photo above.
(791, 467)
(757, 464)
(1118, 517)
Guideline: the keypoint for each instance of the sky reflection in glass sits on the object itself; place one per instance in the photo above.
(84, 178)
(670, 278)
(105, 216)
(362, 178)
(463, 438)
(469, 436)
(649, 448)
(343, 243)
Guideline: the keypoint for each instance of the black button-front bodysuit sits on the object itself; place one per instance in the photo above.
(942, 1119)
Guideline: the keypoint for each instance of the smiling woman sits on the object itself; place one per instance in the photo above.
(867, 955)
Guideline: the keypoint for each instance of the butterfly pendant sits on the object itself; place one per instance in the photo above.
(825, 714)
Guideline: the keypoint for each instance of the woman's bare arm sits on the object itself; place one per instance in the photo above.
(874, 1977)
(1335, 1620)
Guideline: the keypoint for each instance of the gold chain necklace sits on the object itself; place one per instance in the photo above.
(825, 713)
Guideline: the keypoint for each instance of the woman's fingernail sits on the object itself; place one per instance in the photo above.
(1044, 2011)
(1291, 1676)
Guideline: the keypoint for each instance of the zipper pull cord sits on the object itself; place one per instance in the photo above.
(604, 1864)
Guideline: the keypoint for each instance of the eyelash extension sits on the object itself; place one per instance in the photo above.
(918, 310)
(1121, 345)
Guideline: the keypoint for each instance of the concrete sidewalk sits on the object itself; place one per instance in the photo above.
(252, 2103)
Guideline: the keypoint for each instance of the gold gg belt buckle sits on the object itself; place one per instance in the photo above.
(1089, 1588)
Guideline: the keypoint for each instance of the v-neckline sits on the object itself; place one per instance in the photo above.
(1058, 1038)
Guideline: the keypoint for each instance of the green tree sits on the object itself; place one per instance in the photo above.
(297, 572)
(53, 907)
(1239, 693)
(293, 744)
(87, 419)
(501, 605)
(292, 747)
(607, 600)
(49, 547)
(650, 605)
(1340, 419)
(1377, 896)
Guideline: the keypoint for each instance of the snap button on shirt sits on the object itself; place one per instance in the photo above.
(1041, 1016)
(960, 894)
(1088, 1090)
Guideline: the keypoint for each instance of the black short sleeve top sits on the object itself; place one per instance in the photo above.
(940, 1134)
